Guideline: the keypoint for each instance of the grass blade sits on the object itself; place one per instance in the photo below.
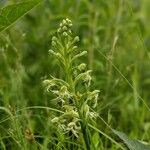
(130, 143)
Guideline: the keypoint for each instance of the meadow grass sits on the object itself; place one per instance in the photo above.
(116, 36)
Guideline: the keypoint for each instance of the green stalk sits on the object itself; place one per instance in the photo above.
(84, 126)
(85, 134)
(69, 77)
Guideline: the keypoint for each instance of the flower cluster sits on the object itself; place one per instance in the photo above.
(73, 91)
(65, 27)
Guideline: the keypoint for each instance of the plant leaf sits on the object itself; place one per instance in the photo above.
(131, 143)
(11, 13)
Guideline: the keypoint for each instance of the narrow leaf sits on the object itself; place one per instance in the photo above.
(130, 143)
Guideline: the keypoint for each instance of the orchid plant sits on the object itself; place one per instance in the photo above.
(72, 91)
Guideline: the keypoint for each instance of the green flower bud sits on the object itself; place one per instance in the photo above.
(65, 34)
(70, 31)
(83, 53)
(53, 43)
(61, 25)
(82, 67)
(70, 25)
(76, 39)
(58, 54)
(64, 28)
(54, 38)
(87, 78)
(68, 20)
(64, 22)
(75, 47)
(51, 51)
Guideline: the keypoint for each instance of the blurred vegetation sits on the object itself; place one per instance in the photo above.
(116, 35)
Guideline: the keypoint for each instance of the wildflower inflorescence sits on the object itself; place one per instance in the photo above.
(73, 91)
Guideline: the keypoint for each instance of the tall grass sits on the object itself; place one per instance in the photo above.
(116, 37)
